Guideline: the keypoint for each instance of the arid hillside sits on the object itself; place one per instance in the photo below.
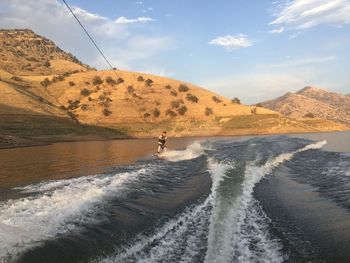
(48, 95)
(312, 102)
(22, 52)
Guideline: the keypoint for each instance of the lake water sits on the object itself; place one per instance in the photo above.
(243, 199)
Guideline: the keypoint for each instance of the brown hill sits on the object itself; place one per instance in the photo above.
(313, 102)
(66, 100)
(25, 53)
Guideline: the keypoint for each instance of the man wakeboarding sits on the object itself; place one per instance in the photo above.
(161, 142)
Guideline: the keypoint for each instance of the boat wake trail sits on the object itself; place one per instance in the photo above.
(225, 224)
(228, 226)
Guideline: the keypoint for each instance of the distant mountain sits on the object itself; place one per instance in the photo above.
(313, 102)
(48, 95)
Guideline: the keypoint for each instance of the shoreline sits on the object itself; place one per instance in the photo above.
(96, 139)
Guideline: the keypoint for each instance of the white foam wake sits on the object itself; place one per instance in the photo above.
(60, 207)
(182, 238)
(239, 223)
(192, 151)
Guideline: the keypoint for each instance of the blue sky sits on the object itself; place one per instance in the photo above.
(255, 50)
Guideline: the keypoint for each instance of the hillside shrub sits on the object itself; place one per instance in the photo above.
(171, 113)
(149, 82)
(192, 98)
(176, 103)
(47, 64)
(140, 78)
(66, 74)
(110, 81)
(16, 78)
(259, 105)
(84, 107)
(106, 112)
(156, 112)
(254, 111)
(168, 87)
(216, 99)
(72, 105)
(89, 99)
(87, 83)
(130, 89)
(183, 88)
(173, 93)
(309, 115)
(236, 100)
(46, 82)
(120, 80)
(208, 111)
(85, 92)
(71, 83)
(182, 110)
(97, 80)
(146, 115)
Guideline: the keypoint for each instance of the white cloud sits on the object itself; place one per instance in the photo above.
(231, 42)
(52, 20)
(139, 2)
(302, 14)
(277, 31)
(142, 19)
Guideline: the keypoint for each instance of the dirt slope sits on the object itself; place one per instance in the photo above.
(315, 103)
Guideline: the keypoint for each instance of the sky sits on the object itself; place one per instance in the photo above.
(252, 49)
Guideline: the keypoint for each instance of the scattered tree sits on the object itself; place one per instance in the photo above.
(192, 98)
(259, 105)
(216, 99)
(173, 93)
(156, 112)
(84, 107)
(16, 78)
(171, 113)
(72, 105)
(149, 82)
(208, 111)
(182, 110)
(120, 80)
(46, 82)
(176, 103)
(106, 112)
(236, 100)
(309, 115)
(130, 89)
(85, 92)
(110, 81)
(97, 80)
(183, 88)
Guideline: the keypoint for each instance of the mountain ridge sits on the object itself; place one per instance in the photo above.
(313, 102)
